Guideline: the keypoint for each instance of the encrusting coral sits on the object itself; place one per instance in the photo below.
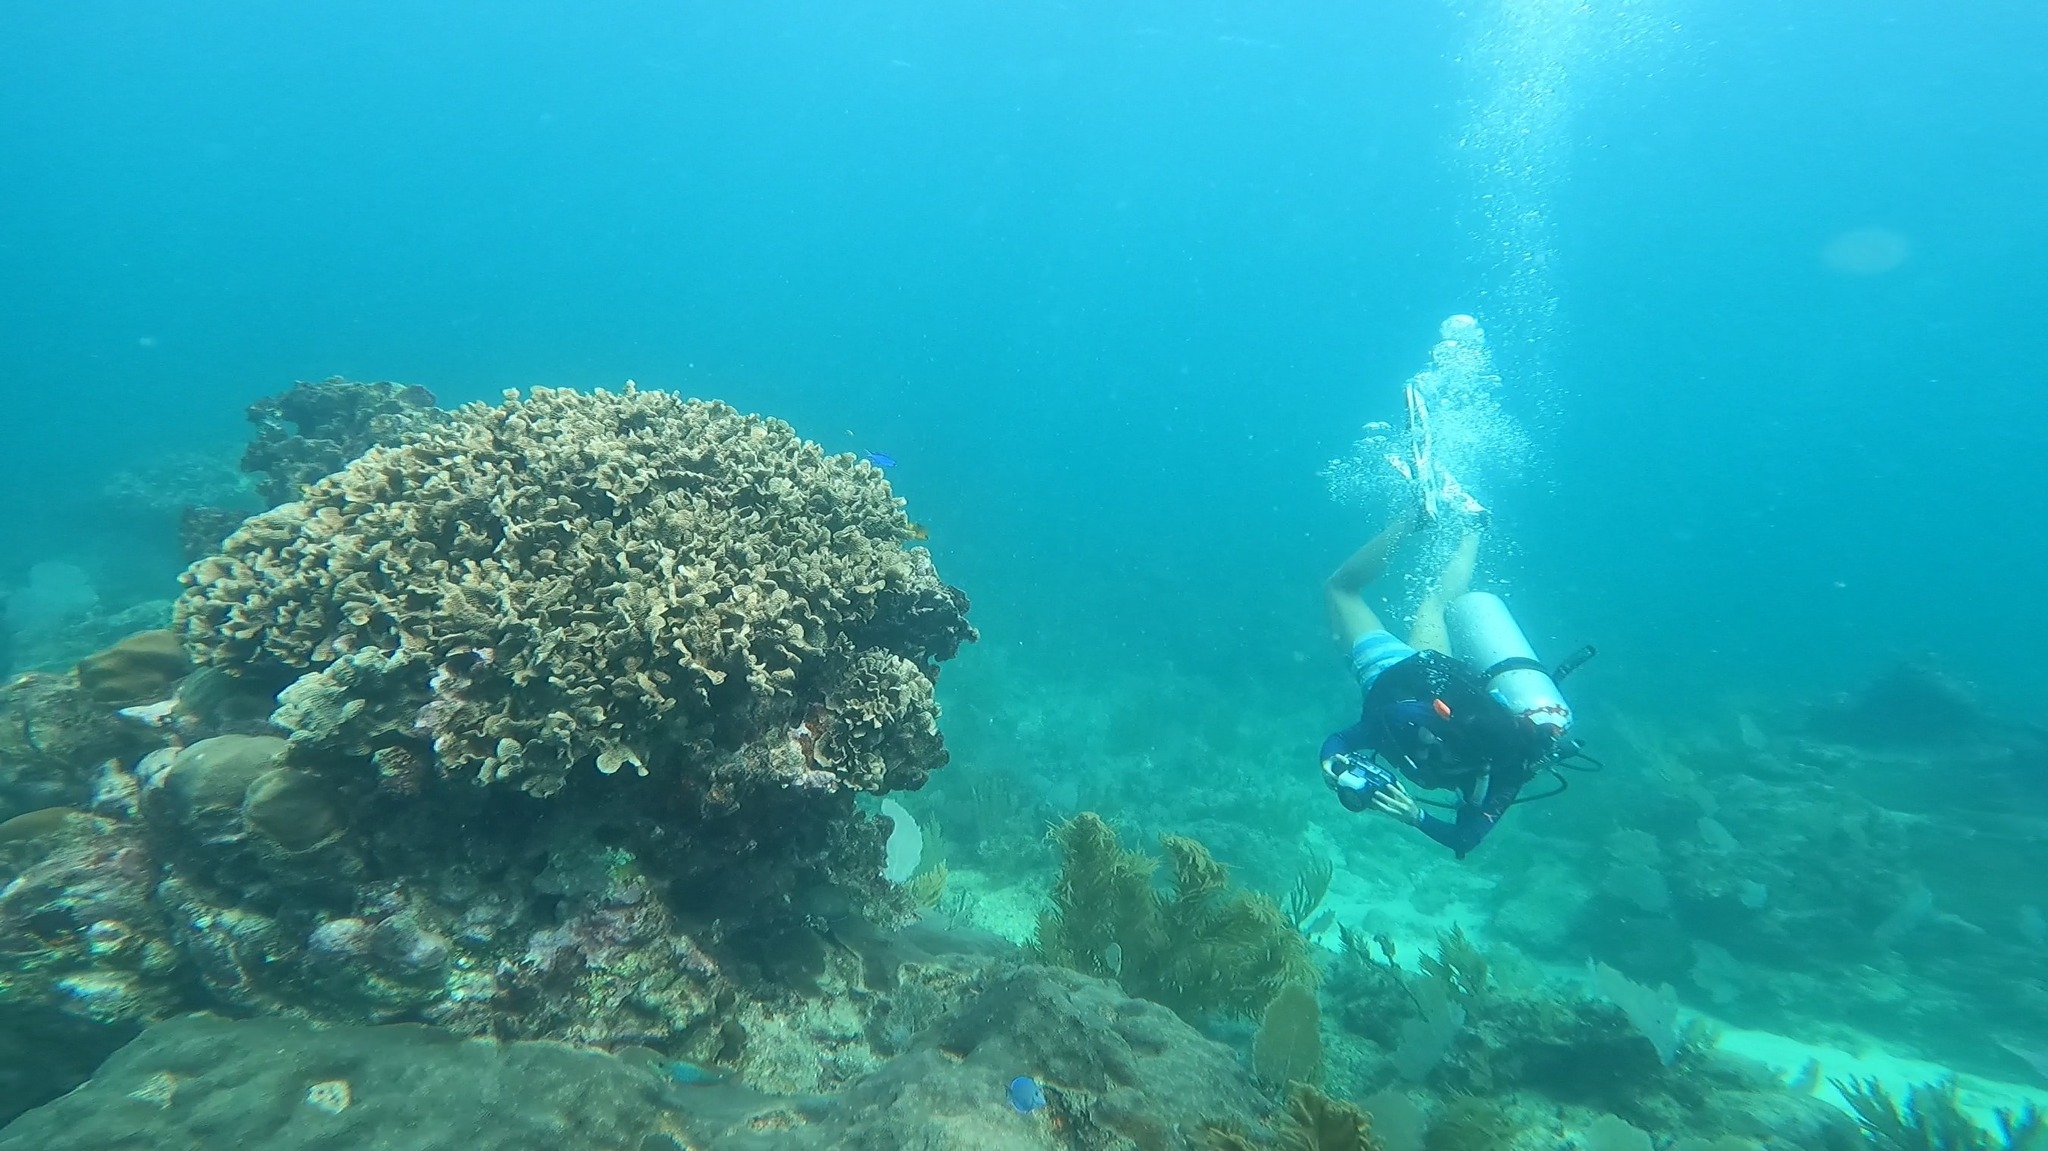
(605, 581)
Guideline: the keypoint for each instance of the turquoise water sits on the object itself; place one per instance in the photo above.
(1113, 285)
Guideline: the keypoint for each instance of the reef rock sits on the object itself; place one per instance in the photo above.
(1917, 705)
(142, 668)
(202, 1082)
(1115, 1073)
(686, 638)
(85, 956)
(53, 735)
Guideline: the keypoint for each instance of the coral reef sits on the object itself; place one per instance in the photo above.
(543, 593)
(1202, 947)
(85, 956)
(1312, 1122)
(608, 581)
(1798, 882)
(202, 528)
(1912, 704)
(304, 433)
(315, 429)
(1116, 1073)
(1822, 888)
(232, 887)
(1471, 1123)
(54, 734)
(158, 487)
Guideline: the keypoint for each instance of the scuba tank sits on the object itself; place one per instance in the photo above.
(1484, 635)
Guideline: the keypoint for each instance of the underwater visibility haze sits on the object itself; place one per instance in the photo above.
(667, 575)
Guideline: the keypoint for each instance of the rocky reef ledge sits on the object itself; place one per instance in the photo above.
(1115, 1072)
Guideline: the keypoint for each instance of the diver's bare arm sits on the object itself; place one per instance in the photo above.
(1349, 617)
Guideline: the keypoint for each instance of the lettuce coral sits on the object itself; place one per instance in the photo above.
(593, 580)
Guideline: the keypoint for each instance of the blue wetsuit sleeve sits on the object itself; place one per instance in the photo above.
(1474, 819)
(1351, 739)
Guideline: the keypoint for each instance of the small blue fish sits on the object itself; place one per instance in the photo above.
(1026, 1095)
(879, 459)
(694, 1075)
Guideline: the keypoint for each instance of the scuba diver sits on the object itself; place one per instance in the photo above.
(1463, 705)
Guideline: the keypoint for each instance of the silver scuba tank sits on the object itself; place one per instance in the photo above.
(1485, 636)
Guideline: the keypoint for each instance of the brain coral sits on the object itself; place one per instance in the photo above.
(593, 580)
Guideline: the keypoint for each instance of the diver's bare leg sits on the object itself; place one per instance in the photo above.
(1342, 592)
(1455, 580)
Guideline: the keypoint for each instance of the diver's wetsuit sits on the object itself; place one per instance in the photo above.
(1480, 805)
(1474, 819)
